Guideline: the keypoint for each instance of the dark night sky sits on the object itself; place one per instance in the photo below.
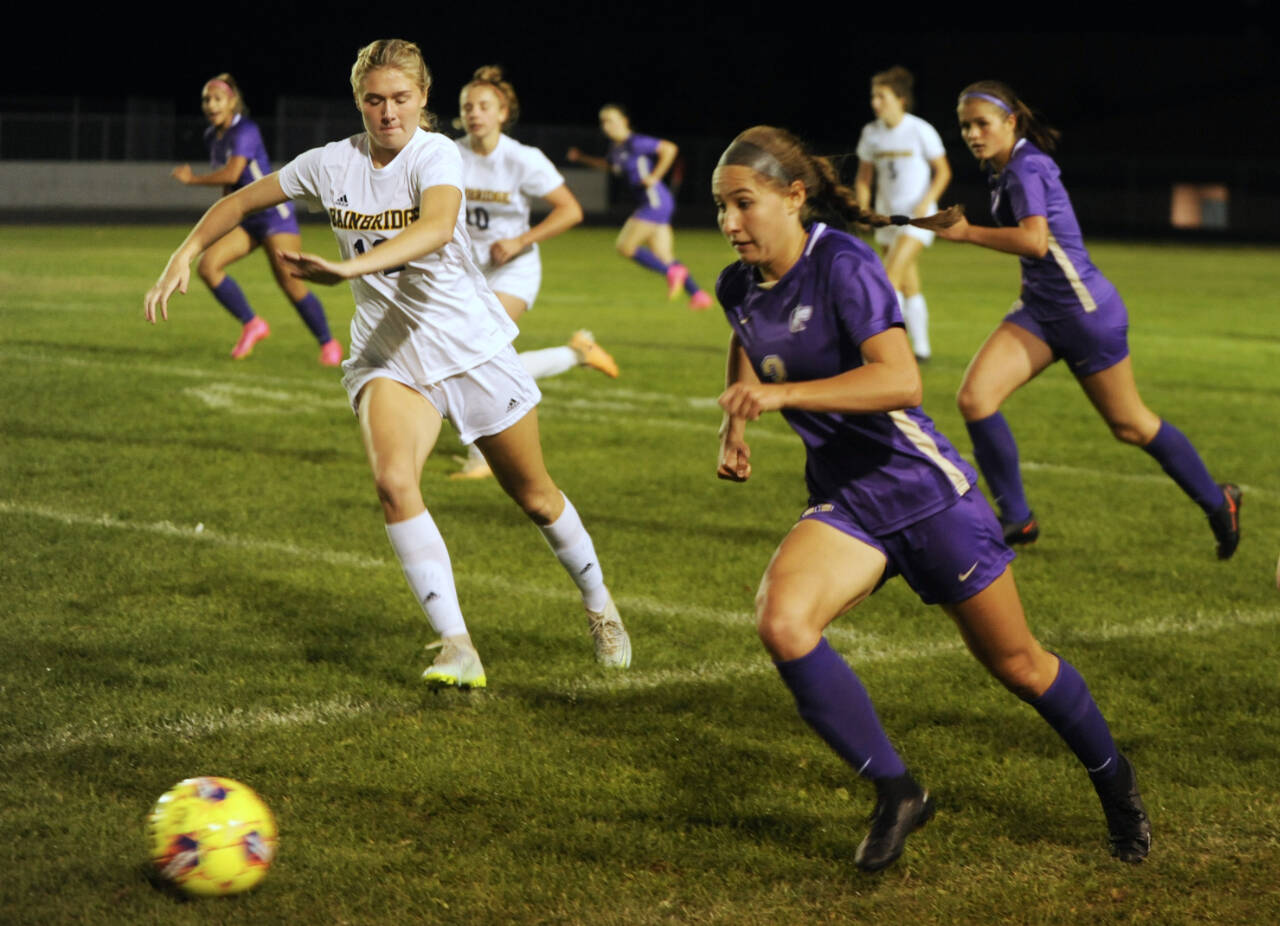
(1207, 87)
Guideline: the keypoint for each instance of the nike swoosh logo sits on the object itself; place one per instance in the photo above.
(968, 572)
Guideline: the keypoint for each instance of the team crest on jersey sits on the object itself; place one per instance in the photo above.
(800, 316)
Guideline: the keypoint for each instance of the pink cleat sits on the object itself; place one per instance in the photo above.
(699, 301)
(676, 275)
(253, 331)
(331, 353)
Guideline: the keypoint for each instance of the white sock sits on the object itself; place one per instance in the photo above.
(916, 314)
(425, 561)
(572, 545)
(551, 361)
(474, 456)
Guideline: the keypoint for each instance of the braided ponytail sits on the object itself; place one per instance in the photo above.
(782, 159)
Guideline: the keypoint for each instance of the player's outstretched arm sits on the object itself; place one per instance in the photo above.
(222, 216)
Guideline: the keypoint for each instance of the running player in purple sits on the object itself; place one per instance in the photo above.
(818, 336)
(238, 158)
(646, 238)
(1067, 309)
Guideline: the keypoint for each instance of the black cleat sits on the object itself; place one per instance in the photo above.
(893, 820)
(1016, 532)
(1225, 521)
(1127, 823)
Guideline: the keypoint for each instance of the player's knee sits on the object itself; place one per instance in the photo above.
(542, 504)
(1023, 674)
(209, 271)
(973, 405)
(398, 491)
(626, 249)
(1128, 432)
(783, 629)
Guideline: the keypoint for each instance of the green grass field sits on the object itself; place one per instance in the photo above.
(196, 580)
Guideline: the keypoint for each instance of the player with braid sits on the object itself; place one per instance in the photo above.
(1067, 310)
(503, 178)
(239, 157)
(646, 237)
(429, 340)
(817, 336)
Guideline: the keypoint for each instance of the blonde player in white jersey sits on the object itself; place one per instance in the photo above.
(503, 178)
(905, 158)
(429, 340)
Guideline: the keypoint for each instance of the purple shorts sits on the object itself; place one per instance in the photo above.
(946, 558)
(656, 204)
(278, 220)
(1089, 342)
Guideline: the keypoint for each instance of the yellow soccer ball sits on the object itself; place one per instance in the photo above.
(211, 836)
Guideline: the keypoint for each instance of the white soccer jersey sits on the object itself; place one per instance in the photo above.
(435, 315)
(901, 156)
(500, 188)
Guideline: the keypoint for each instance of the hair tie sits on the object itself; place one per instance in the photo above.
(990, 99)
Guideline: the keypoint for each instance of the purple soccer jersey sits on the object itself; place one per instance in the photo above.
(1064, 282)
(633, 160)
(884, 470)
(243, 138)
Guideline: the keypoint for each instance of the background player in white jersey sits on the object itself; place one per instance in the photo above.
(429, 339)
(503, 177)
(904, 156)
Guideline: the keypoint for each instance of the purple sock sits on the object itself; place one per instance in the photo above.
(997, 454)
(1068, 707)
(690, 286)
(832, 701)
(232, 299)
(1177, 457)
(312, 314)
(646, 258)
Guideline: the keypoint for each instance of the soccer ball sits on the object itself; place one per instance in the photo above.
(211, 836)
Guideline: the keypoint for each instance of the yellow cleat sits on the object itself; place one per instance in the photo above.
(591, 354)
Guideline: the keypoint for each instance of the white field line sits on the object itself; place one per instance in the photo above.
(858, 646)
(638, 407)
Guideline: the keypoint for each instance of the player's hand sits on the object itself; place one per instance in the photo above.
(502, 251)
(314, 268)
(750, 400)
(735, 459)
(176, 276)
(182, 173)
(573, 155)
(957, 232)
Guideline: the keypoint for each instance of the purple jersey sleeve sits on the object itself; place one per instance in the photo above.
(864, 298)
(1025, 188)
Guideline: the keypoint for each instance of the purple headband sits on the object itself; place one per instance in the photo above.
(990, 99)
(215, 82)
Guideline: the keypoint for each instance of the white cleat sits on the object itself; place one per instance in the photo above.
(613, 646)
(457, 665)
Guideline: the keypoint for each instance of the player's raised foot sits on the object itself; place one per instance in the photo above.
(254, 330)
(1016, 532)
(613, 645)
(699, 301)
(331, 353)
(676, 275)
(1127, 825)
(457, 665)
(1226, 520)
(591, 354)
(475, 466)
(902, 807)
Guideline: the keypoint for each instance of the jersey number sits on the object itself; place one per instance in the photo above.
(479, 217)
(773, 369)
(360, 249)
